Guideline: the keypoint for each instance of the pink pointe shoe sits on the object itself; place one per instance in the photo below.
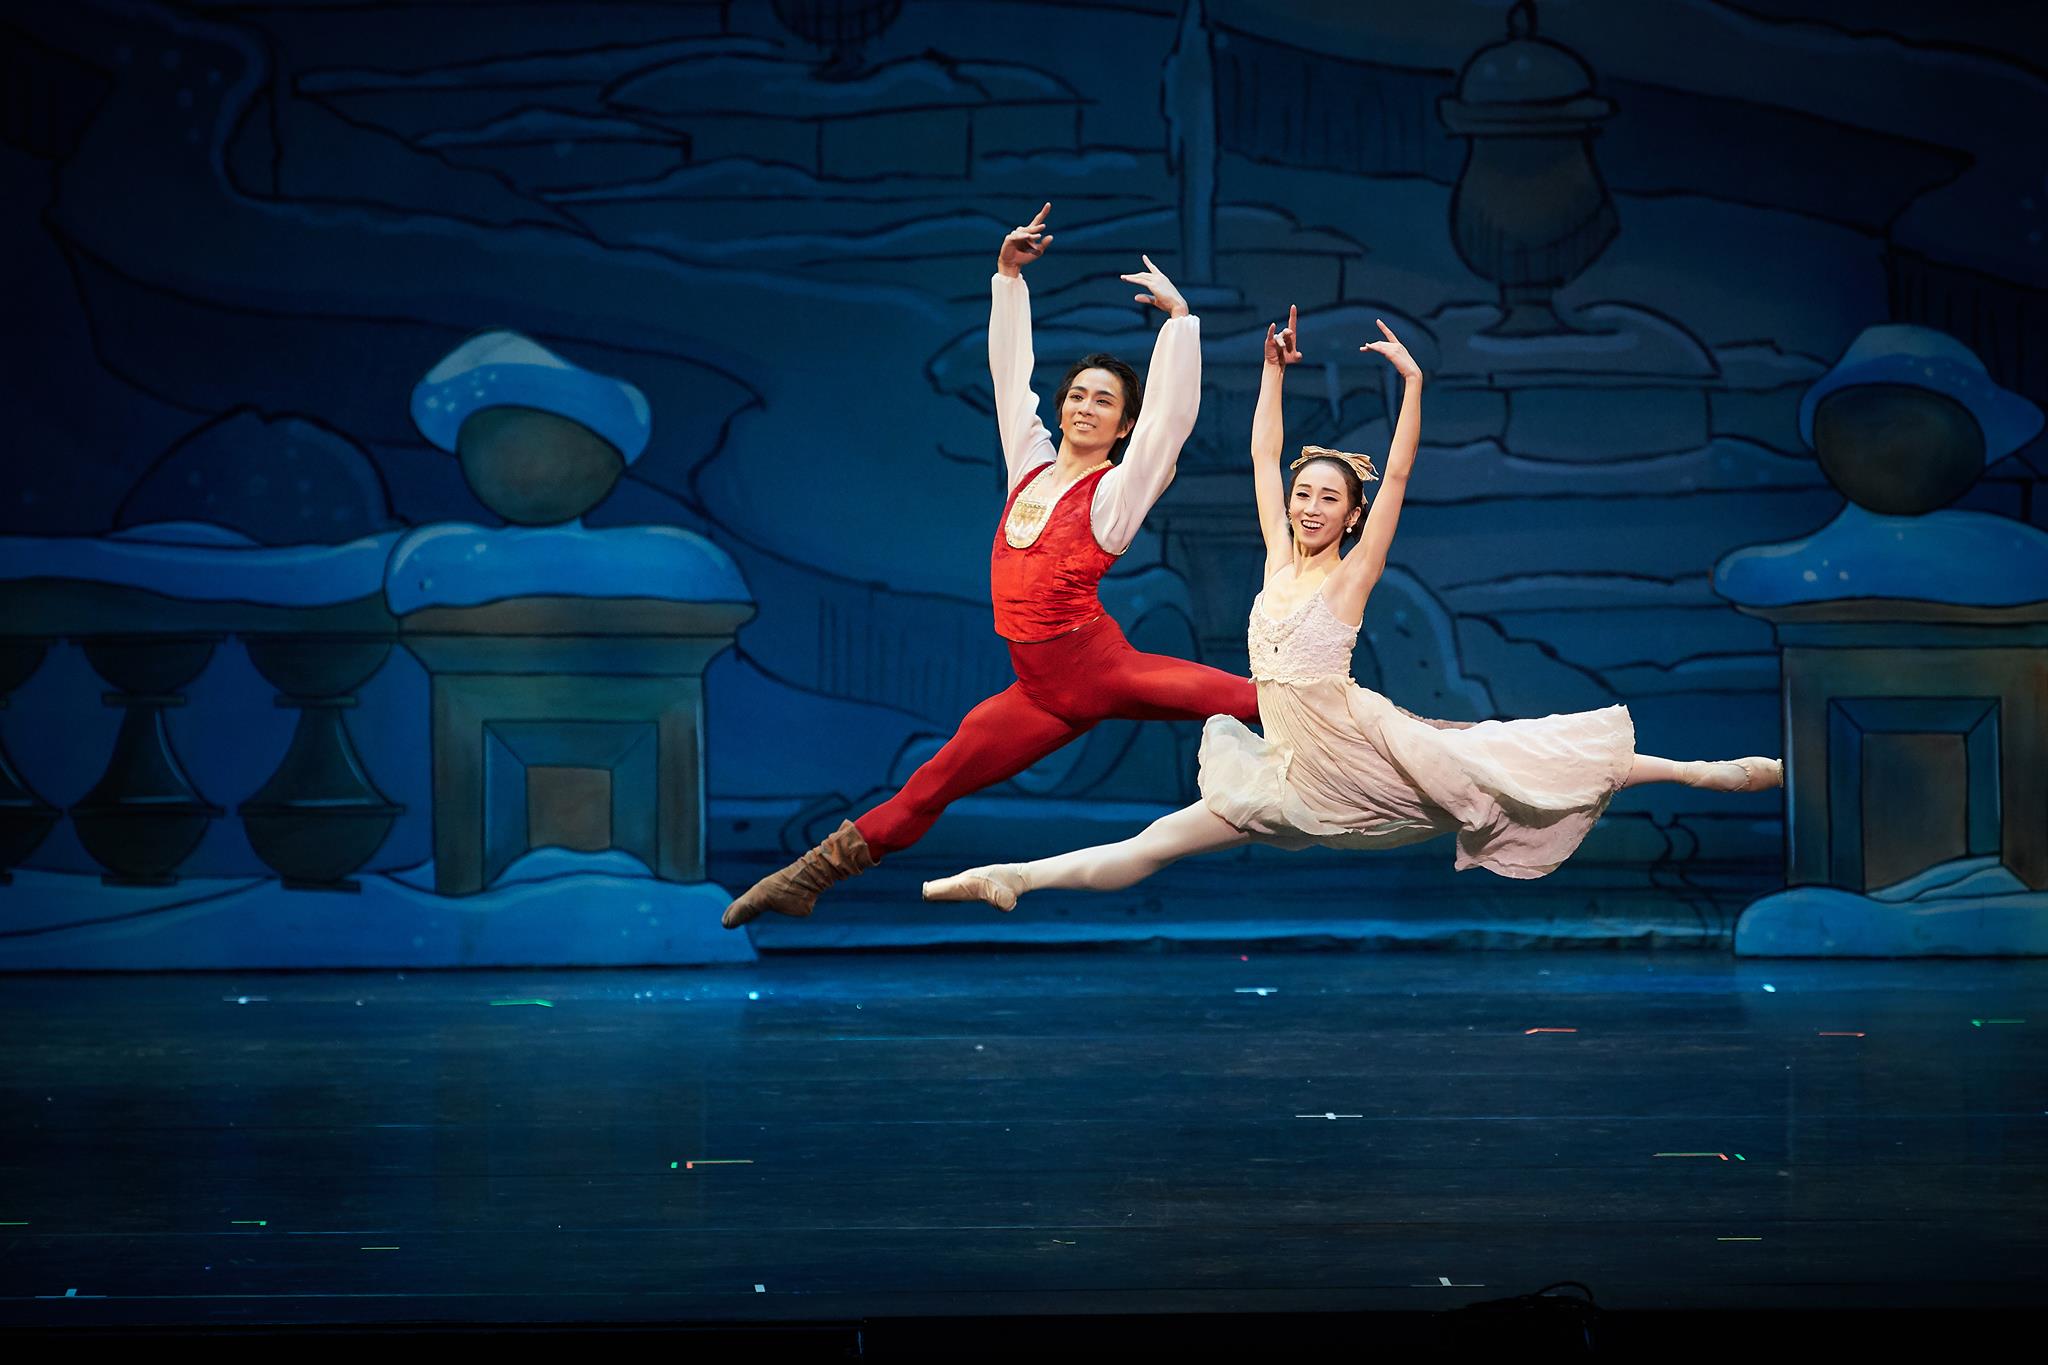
(1761, 774)
(1758, 774)
(998, 885)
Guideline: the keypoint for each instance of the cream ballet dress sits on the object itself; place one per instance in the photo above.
(1343, 767)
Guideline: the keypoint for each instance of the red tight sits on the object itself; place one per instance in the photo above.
(1065, 687)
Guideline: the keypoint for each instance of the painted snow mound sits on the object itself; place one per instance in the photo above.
(1972, 559)
(198, 563)
(505, 369)
(460, 565)
(580, 918)
(1969, 907)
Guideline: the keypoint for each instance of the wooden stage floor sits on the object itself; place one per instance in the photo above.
(832, 1138)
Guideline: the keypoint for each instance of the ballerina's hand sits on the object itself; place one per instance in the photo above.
(1163, 296)
(1282, 346)
(1024, 245)
(1403, 363)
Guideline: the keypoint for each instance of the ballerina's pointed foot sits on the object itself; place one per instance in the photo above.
(1761, 774)
(1753, 774)
(998, 886)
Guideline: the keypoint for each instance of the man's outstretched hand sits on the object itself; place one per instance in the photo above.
(1162, 295)
(1024, 245)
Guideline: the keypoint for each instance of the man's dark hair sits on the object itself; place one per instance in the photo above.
(1134, 390)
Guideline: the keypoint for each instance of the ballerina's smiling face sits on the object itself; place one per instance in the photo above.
(1323, 505)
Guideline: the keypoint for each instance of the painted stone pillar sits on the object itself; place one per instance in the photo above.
(1915, 652)
(567, 663)
(1920, 731)
(569, 722)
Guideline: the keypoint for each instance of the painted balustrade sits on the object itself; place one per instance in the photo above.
(315, 821)
(25, 818)
(558, 717)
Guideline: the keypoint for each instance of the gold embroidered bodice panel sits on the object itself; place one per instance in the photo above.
(1033, 507)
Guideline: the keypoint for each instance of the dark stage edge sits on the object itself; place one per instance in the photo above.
(1507, 1332)
(1018, 1148)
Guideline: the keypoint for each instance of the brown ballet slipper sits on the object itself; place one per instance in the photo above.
(795, 889)
(989, 884)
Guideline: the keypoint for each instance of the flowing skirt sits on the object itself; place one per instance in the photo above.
(1343, 767)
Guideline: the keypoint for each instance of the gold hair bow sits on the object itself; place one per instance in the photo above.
(1361, 465)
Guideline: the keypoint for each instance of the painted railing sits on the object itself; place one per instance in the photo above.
(565, 686)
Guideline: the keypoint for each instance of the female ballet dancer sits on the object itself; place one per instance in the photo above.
(1342, 766)
(1072, 509)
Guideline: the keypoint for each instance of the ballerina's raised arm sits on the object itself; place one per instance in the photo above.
(1352, 581)
(1268, 434)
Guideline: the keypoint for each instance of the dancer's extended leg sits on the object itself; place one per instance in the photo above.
(997, 740)
(1106, 867)
(1723, 775)
(1138, 686)
(1112, 867)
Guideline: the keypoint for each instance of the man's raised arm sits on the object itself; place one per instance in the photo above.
(1026, 442)
(1173, 395)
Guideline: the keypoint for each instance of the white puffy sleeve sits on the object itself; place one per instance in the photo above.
(1173, 394)
(1026, 443)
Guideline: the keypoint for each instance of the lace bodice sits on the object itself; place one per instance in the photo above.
(1309, 646)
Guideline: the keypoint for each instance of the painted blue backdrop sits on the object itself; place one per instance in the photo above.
(1624, 240)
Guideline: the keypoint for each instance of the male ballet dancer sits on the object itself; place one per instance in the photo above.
(1072, 510)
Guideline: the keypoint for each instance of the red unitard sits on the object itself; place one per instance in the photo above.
(1074, 670)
